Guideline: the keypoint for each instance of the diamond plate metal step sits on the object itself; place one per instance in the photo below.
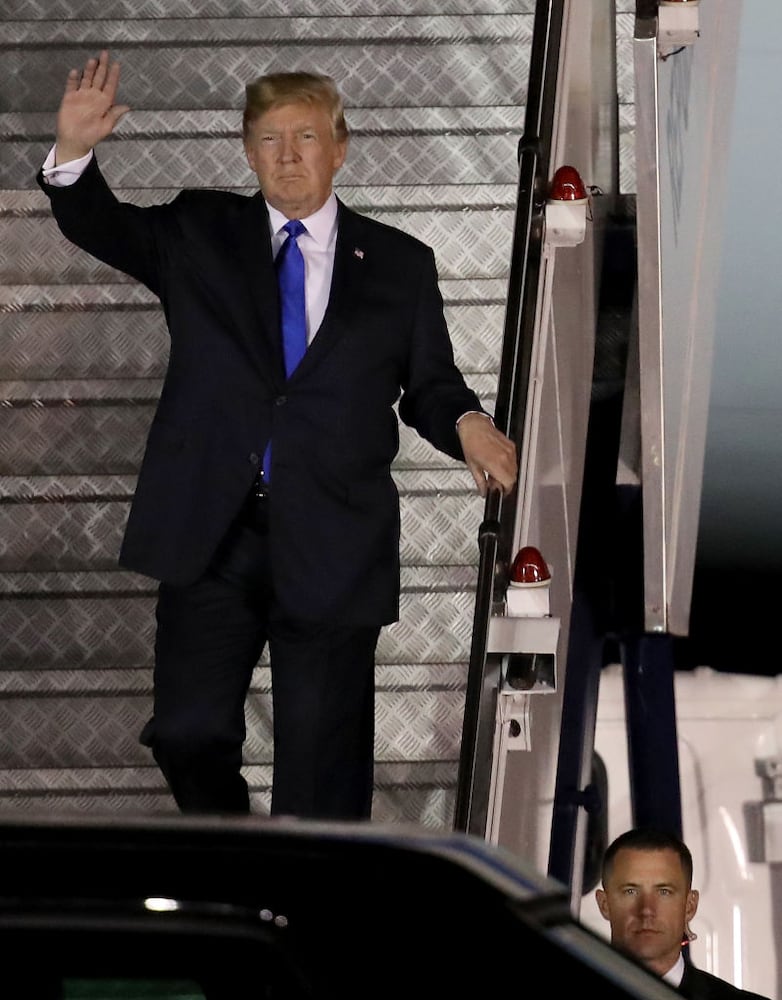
(104, 620)
(61, 10)
(420, 792)
(398, 132)
(197, 63)
(117, 331)
(77, 428)
(81, 332)
(469, 243)
(77, 724)
(74, 524)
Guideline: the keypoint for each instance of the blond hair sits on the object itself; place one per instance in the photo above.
(275, 89)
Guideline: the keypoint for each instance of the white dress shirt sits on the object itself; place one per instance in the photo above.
(317, 247)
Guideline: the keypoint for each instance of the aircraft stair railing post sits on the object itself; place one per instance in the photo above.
(495, 535)
(636, 568)
(685, 74)
(648, 661)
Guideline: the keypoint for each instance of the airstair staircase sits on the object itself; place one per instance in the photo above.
(435, 101)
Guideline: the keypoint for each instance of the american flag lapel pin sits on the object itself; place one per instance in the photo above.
(357, 252)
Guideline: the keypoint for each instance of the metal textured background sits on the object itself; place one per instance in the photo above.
(435, 102)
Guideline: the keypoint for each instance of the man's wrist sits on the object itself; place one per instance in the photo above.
(480, 413)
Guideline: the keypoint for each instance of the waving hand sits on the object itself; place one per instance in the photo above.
(87, 111)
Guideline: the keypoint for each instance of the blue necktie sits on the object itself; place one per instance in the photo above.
(293, 315)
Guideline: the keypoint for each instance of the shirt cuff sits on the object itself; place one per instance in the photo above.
(479, 412)
(64, 174)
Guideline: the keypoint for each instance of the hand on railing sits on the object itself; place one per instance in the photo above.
(489, 454)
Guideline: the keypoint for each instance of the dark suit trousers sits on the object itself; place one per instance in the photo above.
(210, 635)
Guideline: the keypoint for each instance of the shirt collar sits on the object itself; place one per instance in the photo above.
(321, 225)
(676, 971)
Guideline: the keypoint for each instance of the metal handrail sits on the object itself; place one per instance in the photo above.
(495, 534)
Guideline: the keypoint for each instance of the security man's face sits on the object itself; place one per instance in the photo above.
(648, 903)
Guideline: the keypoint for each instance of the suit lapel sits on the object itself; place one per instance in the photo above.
(255, 261)
(346, 280)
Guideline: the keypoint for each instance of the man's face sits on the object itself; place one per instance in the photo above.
(648, 904)
(294, 155)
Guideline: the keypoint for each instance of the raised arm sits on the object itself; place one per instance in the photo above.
(87, 111)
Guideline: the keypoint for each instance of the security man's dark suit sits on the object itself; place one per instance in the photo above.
(699, 985)
(333, 511)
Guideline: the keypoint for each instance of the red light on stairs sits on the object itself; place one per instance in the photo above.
(529, 568)
(566, 185)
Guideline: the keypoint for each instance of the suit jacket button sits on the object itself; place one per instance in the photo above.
(281, 400)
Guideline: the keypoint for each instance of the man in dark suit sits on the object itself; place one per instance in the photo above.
(647, 897)
(293, 543)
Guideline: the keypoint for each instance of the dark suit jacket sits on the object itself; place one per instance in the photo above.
(699, 985)
(334, 509)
